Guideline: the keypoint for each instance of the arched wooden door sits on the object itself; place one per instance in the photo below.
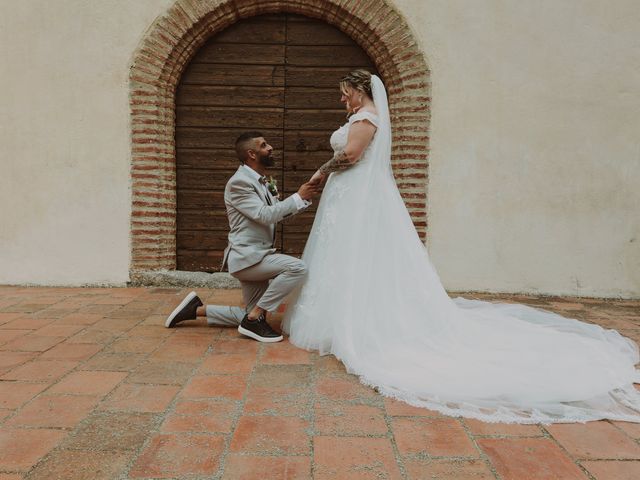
(274, 73)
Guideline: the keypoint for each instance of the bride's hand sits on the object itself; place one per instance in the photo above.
(318, 178)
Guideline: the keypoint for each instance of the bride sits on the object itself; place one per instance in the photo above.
(374, 300)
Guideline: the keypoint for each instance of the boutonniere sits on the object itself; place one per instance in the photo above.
(272, 185)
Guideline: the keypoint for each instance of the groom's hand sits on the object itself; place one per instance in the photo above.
(309, 190)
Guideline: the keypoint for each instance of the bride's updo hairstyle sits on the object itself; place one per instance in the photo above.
(359, 80)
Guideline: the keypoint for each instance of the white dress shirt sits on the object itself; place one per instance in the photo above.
(300, 203)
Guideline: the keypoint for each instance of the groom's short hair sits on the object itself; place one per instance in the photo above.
(244, 143)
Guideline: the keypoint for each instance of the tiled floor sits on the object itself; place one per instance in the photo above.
(92, 386)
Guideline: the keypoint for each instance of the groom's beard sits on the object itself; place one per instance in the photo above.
(267, 160)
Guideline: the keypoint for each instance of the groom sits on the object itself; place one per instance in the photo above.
(253, 210)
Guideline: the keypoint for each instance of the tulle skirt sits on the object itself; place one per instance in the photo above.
(374, 300)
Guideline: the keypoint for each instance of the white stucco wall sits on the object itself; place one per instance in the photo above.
(535, 162)
(64, 139)
(535, 167)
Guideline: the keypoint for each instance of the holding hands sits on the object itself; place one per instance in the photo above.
(309, 190)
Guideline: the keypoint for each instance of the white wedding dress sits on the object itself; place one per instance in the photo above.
(374, 300)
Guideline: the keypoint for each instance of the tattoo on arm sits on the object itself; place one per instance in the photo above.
(337, 163)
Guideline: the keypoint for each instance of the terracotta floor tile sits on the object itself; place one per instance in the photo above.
(328, 364)
(92, 335)
(207, 406)
(352, 420)
(529, 459)
(402, 409)
(81, 318)
(40, 370)
(122, 362)
(175, 455)
(31, 343)
(10, 476)
(9, 317)
(71, 351)
(164, 373)
(14, 394)
(88, 383)
(631, 429)
(271, 435)
(74, 465)
(354, 458)
(197, 424)
(150, 331)
(240, 345)
(55, 330)
(285, 353)
(344, 389)
(439, 437)
(194, 415)
(179, 353)
(228, 363)
(133, 397)
(613, 470)
(211, 386)
(9, 360)
(112, 431)
(293, 378)
(514, 430)
(23, 307)
(8, 335)
(248, 467)
(54, 312)
(98, 310)
(54, 411)
(115, 325)
(20, 449)
(134, 345)
(447, 469)
(278, 400)
(595, 440)
(27, 323)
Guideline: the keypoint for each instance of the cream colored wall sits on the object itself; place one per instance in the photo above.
(64, 139)
(535, 165)
(535, 141)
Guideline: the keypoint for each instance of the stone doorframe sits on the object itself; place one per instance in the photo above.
(176, 36)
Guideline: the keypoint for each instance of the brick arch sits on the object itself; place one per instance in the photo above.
(176, 36)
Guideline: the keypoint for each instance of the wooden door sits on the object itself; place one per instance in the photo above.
(274, 73)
